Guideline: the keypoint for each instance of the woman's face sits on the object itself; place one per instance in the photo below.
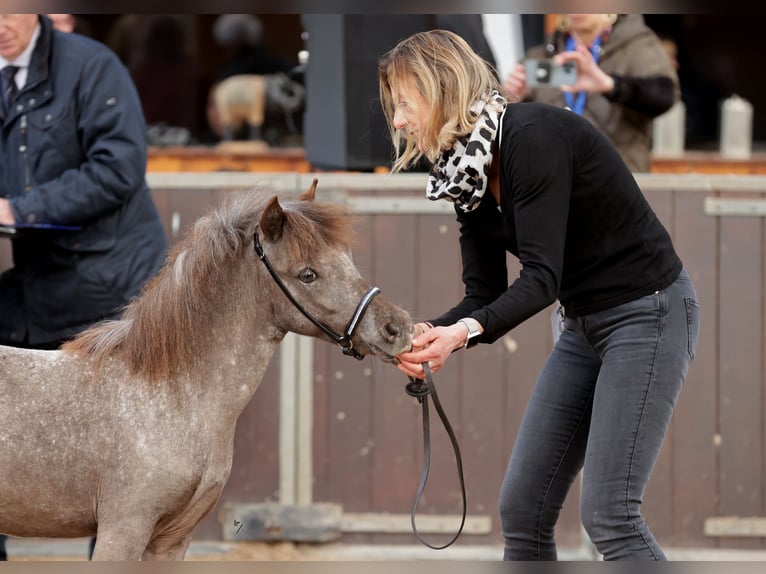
(411, 112)
(587, 23)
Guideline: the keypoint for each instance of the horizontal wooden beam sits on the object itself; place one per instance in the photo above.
(324, 522)
(741, 207)
(736, 526)
(426, 523)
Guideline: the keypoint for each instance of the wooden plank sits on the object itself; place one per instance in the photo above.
(162, 198)
(709, 163)
(184, 208)
(731, 207)
(210, 159)
(296, 414)
(439, 288)
(741, 343)
(658, 499)
(695, 420)
(483, 385)
(350, 395)
(321, 462)
(255, 472)
(736, 526)
(199, 159)
(395, 430)
(401, 523)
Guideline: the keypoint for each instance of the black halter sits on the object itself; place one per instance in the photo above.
(344, 340)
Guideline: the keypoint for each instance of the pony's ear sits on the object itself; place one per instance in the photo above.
(310, 193)
(272, 219)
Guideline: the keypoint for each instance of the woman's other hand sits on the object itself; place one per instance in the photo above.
(432, 346)
(515, 85)
(590, 78)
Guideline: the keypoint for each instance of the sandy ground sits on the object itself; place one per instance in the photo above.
(34, 549)
(259, 551)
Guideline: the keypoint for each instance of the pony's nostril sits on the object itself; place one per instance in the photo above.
(391, 329)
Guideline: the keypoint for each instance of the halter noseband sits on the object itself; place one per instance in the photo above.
(344, 340)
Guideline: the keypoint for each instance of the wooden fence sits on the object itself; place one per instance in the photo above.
(327, 430)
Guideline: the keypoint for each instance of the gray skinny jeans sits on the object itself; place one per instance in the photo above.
(602, 403)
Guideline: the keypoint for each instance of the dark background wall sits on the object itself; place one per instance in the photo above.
(717, 56)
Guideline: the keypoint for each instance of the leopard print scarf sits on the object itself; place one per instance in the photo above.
(461, 173)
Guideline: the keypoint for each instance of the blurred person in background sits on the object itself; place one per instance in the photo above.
(242, 38)
(63, 22)
(170, 84)
(625, 79)
(241, 35)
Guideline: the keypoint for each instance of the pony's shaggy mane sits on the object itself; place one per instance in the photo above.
(168, 324)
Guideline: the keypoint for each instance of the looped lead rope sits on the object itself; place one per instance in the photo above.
(420, 390)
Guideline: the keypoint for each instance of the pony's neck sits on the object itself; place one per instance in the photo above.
(234, 370)
(235, 352)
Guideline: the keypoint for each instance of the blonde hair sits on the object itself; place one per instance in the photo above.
(449, 76)
(563, 24)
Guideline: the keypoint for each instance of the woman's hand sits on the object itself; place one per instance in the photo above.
(515, 84)
(590, 78)
(432, 346)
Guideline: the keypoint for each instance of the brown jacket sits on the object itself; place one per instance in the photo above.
(632, 51)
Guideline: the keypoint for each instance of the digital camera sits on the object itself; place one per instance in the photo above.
(546, 72)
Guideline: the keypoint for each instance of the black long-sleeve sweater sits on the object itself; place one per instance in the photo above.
(575, 217)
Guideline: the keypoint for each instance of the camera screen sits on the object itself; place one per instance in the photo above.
(546, 73)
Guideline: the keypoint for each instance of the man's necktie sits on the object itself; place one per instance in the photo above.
(8, 86)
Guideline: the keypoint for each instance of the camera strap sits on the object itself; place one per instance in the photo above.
(578, 105)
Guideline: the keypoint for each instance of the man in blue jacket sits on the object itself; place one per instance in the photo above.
(73, 154)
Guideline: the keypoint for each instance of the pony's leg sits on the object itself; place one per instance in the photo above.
(123, 540)
(167, 549)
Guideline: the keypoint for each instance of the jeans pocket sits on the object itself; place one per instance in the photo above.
(692, 323)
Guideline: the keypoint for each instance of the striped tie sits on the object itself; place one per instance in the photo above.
(8, 86)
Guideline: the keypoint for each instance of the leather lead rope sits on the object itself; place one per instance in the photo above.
(420, 390)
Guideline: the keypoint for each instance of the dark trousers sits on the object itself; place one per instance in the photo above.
(602, 404)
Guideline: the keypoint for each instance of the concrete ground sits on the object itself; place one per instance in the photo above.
(76, 549)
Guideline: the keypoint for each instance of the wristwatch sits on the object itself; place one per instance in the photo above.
(474, 330)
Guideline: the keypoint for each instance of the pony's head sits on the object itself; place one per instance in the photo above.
(307, 244)
(213, 287)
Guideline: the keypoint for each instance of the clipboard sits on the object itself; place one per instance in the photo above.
(27, 229)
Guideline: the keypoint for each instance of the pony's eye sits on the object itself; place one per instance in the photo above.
(308, 275)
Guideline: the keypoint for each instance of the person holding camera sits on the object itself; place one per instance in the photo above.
(624, 78)
(545, 185)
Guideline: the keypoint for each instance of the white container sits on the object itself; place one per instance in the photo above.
(669, 131)
(736, 128)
